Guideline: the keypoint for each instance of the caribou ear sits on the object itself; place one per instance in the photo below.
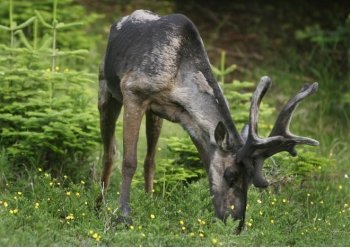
(221, 136)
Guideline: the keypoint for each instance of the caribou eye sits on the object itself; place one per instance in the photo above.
(231, 175)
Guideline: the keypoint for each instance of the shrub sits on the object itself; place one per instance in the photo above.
(48, 115)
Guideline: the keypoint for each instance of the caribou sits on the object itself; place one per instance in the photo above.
(157, 67)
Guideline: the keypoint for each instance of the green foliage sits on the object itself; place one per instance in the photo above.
(326, 39)
(331, 53)
(47, 115)
(50, 126)
(283, 169)
(74, 37)
(222, 71)
(38, 16)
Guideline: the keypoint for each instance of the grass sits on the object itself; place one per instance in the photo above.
(46, 211)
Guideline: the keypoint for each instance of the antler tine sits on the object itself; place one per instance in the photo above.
(282, 123)
(251, 136)
(261, 89)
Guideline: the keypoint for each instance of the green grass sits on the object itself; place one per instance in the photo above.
(44, 211)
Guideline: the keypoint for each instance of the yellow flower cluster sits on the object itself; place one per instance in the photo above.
(201, 222)
(95, 235)
(14, 211)
(250, 223)
(70, 217)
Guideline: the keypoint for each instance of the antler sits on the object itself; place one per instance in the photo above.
(280, 138)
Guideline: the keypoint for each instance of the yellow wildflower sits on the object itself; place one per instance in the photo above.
(152, 216)
(70, 217)
(14, 211)
(68, 193)
(19, 193)
(182, 222)
(82, 182)
(96, 236)
(6, 204)
(214, 241)
(131, 227)
(272, 221)
(77, 194)
(36, 205)
(183, 228)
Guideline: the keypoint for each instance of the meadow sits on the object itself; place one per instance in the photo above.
(50, 150)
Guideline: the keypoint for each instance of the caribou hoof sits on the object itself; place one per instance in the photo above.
(122, 220)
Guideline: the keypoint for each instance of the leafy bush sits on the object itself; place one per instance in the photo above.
(70, 37)
(48, 115)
